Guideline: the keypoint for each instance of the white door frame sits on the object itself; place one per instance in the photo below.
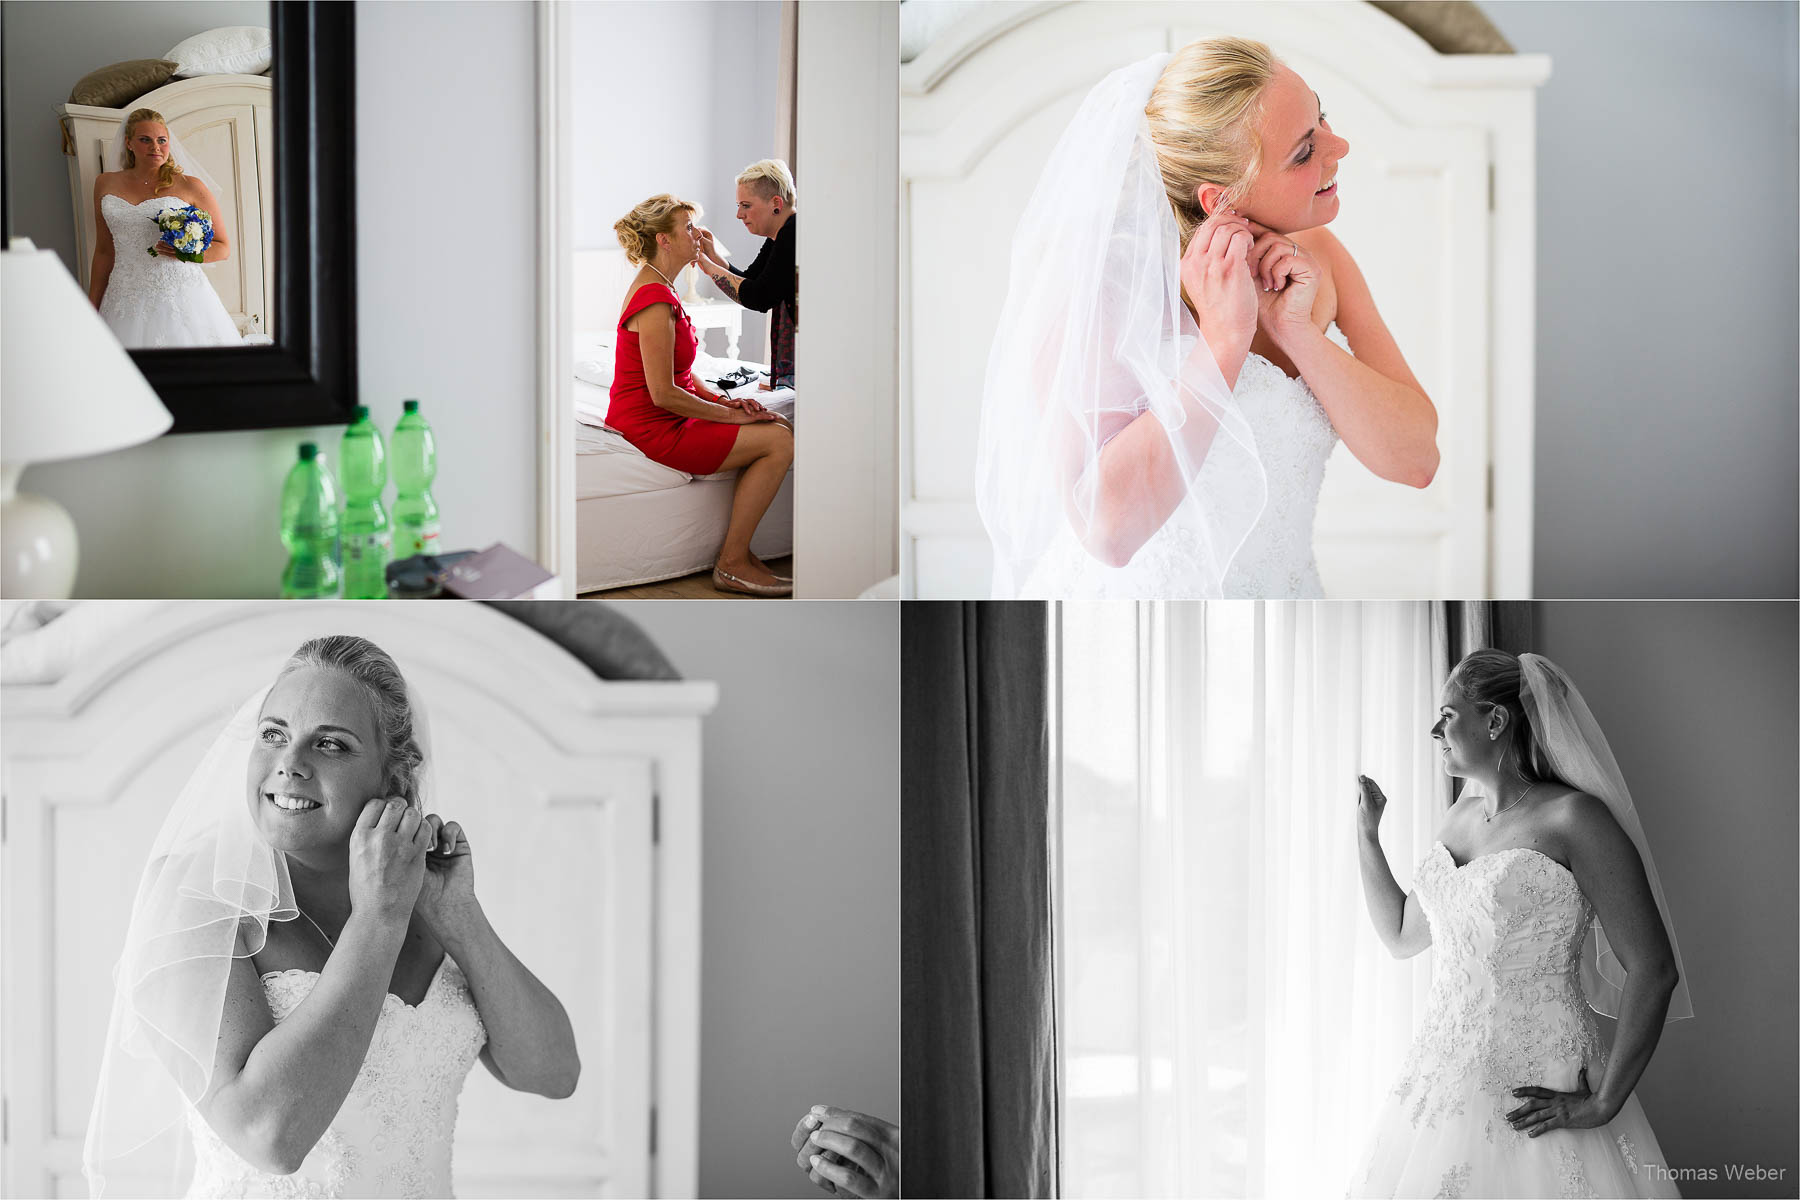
(555, 302)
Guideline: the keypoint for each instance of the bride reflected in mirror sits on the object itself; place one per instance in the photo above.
(151, 293)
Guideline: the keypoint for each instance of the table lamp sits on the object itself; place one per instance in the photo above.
(67, 389)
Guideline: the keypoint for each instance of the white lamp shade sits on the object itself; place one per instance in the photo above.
(69, 388)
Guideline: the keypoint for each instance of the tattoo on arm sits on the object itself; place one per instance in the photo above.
(726, 285)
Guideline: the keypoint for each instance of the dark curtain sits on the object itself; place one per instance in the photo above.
(978, 1053)
(1460, 626)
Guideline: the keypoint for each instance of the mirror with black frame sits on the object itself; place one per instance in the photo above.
(163, 149)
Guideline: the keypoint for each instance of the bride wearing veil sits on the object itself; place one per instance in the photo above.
(1541, 904)
(149, 297)
(1183, 343)
(309, 977)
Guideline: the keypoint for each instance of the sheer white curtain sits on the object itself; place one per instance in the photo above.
(1228, 1018)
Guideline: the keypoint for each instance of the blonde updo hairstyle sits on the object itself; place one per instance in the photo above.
(165, 175)
(1203, 114)
(638, 228)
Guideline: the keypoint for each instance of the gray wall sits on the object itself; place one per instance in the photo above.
(685, 123)
(51, 46)
(1667, 395)
(199, 514)
(800, 965)
(1699, 704)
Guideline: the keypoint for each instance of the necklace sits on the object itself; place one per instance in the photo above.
(661, 276)
(1515, 802)
(315, 925)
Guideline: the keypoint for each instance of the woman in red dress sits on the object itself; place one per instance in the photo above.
(672, 417)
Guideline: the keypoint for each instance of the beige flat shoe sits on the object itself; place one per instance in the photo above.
(725, 581)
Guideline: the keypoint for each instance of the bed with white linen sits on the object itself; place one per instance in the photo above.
(637, 521)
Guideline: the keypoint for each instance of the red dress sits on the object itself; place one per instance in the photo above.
(689, 444)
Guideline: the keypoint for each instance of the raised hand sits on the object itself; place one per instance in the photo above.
(847, 1153)
(1371, 802)
(1287, 280)
(448, 892)
(387, 858)
(1545, 1109)
(1216, 276)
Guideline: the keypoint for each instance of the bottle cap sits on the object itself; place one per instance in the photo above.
(359, 413)
(308, 451)
(411, 406)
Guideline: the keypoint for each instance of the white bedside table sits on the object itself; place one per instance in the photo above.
(717, 314)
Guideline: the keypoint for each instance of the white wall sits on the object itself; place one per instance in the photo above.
(674, 99)
(1698, 702)
(846, 498)
(440, 318)
(1667, 422)
(800, 975)
(49, 47)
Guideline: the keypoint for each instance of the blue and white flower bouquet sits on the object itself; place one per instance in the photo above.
(186, 229)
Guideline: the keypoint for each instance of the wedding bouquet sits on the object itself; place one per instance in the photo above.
(187, 229)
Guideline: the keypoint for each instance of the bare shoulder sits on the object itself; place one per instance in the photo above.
(189, 188)
(1321, 242)
(1582, 822)
(1324, 245)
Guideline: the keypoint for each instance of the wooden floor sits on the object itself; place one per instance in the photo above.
(698, 586)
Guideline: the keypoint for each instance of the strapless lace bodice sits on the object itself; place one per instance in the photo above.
(392, 1136)
(1505, 1010)
(1294, 439)
(152, 301)
(1506, 1005)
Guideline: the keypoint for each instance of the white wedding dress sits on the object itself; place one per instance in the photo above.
(392, 1136)
(153, 302)
(1294, 438)
(1505, 1010)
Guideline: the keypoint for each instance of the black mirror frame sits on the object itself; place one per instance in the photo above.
(308, 377)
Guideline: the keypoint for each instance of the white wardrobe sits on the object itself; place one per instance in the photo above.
(1438, 206)
(581, 798)
(226, 122)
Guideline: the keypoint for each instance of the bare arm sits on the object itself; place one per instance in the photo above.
(655, 327)
(720, 272)
(1611, 875)
(531, 1045)
(1399, 918)
(276, 1088)
(220, 248)
(1139, 479)
(101, 268)
(1372, 397)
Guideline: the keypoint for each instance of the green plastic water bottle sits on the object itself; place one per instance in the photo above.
(309, 529)
(415, 466)
(368, 538)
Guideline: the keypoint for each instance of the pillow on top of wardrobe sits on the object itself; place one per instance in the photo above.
(119, 84)
(230, 50)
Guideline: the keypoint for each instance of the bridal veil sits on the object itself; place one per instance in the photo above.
(1092, 336)
(210, 887)
(1576, 752)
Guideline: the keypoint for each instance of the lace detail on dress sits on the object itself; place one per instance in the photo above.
(151, 301)
(393, 1134)
(1505, 1008)
(1569, 1175)
(1294, 439)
